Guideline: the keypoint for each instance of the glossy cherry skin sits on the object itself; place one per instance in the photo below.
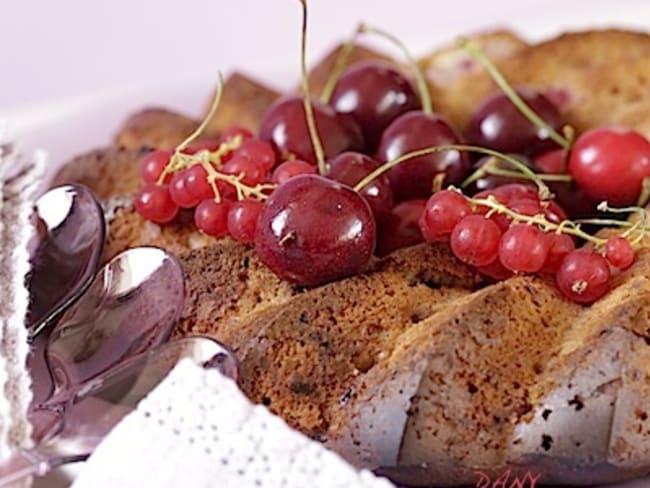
(350, 168)
(418, 130)
(489, 182)
(313, 230)
(499, 125)
(401, 228)
(610, 164)
(374, 93)
(568, 195)
(285, 126)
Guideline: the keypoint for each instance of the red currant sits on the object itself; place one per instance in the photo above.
(495, 270)
(260, 152)
(523, 248)
(253, 172)
(212, 217)
(155, 203)
(153, 165)
(442, 213)
(179, 190)
(233, 132)
(559, 246)
(197, 146)
(291, 168)
(242, 219)
(619, 252)
(475, 240)
(196, 182)
(609, 164)
(583, 276)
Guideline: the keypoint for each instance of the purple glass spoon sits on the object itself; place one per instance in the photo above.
(130, 307)
(70, 242)
(79, 424)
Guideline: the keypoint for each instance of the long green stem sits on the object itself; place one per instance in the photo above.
(544, 191)
(515, 174)
(423, 88)
(213, 109)
(176, 159)
(342, 60)
(498, 78)
(306, 96)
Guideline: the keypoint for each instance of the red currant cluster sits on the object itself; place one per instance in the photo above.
(509, 230)
(224, 182)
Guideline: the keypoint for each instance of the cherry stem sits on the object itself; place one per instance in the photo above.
(565, 227)
(423, 88)
(515, 174)
(306, 96)
(544, 192)
(213, 109)
(478, 54)
(341, 62)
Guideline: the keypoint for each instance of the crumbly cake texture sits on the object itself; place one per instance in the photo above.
(596, 78)
(416, 362)
(18, 181)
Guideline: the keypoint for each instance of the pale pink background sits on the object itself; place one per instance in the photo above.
(60, 48)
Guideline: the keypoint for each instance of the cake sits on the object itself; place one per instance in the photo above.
(419, 364)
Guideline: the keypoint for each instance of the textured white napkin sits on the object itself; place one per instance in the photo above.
(197, 429)
(19, 177)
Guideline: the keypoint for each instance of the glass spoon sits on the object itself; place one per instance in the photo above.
(81, 422)
(69, 245)
(131, 306)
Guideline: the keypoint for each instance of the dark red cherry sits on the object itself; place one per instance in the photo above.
(571, 198)
(285, 126)
(489, 182)
(419, 130)
(401, 228)
(374, 93)
(350, 168)
(499, 125)
(313, 230)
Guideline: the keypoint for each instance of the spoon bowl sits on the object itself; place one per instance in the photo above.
(131, 306)
(80, 423)
(68, 250)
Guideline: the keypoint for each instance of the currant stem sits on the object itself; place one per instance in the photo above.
(544, 191)
(478, 54)
(213, 109)
(306, 96)
(566, 226)
(176, 161)
(423, 88)
(342, 60)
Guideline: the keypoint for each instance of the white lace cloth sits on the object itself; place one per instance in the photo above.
(198, 430)
(19, 178)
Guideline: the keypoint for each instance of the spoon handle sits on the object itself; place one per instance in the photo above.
(23, 464)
